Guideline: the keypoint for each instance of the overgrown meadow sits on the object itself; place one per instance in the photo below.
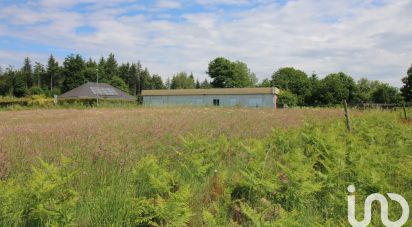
(198, 166)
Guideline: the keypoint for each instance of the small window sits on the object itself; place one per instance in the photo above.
(216, 102)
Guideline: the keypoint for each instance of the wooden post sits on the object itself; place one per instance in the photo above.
(345, 106)
(275, 98)
(404, 112)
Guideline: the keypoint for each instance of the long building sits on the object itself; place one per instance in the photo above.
(244, 97)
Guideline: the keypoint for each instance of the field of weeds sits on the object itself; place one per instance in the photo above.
(130, 133)
(197, 166)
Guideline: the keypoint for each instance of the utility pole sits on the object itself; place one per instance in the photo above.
(97, 93)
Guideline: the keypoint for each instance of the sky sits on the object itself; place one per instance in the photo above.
(369, 38)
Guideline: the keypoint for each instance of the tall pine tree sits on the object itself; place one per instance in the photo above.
(27, 73)
(157, 82)
(39, 73)
(124, 73)
(52, 73)
(145, 80)
(73, 71)
(110, 68)
(134, 80)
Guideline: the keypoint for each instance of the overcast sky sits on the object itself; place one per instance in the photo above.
(370, 38)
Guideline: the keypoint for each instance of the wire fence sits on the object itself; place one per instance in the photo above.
(390, 106)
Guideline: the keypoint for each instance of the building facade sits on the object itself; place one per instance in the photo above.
(244, 97)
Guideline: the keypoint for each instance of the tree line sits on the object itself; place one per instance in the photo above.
(54, 79)
(297, 87)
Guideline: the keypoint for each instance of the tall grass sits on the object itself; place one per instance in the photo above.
(197, 166)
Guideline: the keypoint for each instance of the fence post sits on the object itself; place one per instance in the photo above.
(404, 112)
(345, 106)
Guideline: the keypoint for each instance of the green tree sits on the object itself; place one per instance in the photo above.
(39, 74)
(384, 93)
(293, 80)
(119, 83)
(35, 91)
(91, 63)
(220, 70)
(53, 73)
(157, 82)
(265, 83)
(6, 81)
(365, 89)
(407, 87)
(134, 80)
(27, 73)
(16, 82)
(90, 74)
(287, 98)
(124, 73)
(91, 70)
(168, 83)
(145, 80)
(205, 84)
(337, 87)
(110, 68)
(242, 77)
(101, 66)
(73, 71)
(182, 81)
(3, 84)
(313, 98)
(227, 74)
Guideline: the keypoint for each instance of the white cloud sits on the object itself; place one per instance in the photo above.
(168, 4)
(360, 38)
(71, 3)
(223, 2)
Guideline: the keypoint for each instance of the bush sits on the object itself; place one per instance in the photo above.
(45, 198)
(119, 83)
(92, 102)
(36, 91)
(160, 200)
(55, 91)
(39, 101)
(287, 98)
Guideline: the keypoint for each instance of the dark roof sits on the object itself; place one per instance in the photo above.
(91, 90)
(212, 91)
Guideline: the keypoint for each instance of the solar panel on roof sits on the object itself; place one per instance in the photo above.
(103, 91)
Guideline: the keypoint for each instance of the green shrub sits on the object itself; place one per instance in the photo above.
(119, 83)
(287, 98)
(36, 91)
(45, 198)
(39, 101)
(92, 102)
(300, 176)
(29, 101)
(160, 200)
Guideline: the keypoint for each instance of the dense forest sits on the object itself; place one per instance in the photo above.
(297, 87)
